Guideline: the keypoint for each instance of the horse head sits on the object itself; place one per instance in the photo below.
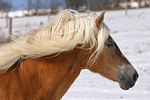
(112, 64)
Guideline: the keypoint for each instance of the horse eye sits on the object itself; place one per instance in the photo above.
(109, 43)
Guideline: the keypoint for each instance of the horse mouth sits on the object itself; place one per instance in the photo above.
(125, 84)
(127, 77)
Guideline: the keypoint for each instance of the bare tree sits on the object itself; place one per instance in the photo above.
(115, 4)
(46, 4)
(100, 4)
(86, 4)
(139, 1)
(5, 6)
(55, 5)
(37, 6)
(126, 9)
(29, 5)
(34, 4)
(75, 4)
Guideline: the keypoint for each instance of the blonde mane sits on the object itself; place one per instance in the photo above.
(64, 33)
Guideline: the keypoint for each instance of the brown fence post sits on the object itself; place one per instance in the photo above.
(10, 27)
(6, 21)
(49, 13)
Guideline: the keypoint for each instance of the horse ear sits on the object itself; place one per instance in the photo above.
(100, 19)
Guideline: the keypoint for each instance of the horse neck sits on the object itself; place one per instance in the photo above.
(47, 78)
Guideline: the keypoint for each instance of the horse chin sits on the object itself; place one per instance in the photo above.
(125, 86)
(126, 83)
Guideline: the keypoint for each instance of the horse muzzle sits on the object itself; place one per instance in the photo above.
(127, 76)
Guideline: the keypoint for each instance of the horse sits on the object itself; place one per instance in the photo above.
(43, 64)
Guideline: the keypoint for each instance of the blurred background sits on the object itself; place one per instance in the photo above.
(11, 10)
(40, 7)
(128, 20)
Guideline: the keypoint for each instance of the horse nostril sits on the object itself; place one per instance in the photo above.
(135, 76)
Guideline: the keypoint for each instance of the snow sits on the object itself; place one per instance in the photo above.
(131, 32)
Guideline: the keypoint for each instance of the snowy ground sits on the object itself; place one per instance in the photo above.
(132, 34)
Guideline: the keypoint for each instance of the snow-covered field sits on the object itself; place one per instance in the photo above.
(132, 34)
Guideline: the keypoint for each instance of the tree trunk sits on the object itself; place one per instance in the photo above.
(37, 7)
(126, 9)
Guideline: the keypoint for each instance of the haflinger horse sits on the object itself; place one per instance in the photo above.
(42, 64)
